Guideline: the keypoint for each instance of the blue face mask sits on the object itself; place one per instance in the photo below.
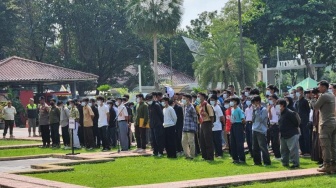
(248, 103)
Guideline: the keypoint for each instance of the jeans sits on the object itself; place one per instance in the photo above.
(140, 136)
(217, 140)
(8, 124)
(248, 133)
(55, 136)
(274, 133)
(66, 136)
(32, 124)
(290, 150)
(157, 139)
(45, 130)
(237, 142)
(123, 135)
(304, 139)
(103, 134)
(206, 141)
(112, 136)
(88, 137)
(188, 144)
(170, 141)
(260, 146)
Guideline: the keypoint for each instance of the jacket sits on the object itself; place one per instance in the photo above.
(155, 115)
(141, 112)
(288, 124)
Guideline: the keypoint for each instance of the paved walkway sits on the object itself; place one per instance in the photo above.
(235, 180)
(25, 165)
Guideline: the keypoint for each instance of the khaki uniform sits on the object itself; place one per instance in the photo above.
(327, 126)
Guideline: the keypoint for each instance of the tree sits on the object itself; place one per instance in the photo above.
(270, 23)
(8, 21)
(221, 62)
(198, 28)
(153, 17)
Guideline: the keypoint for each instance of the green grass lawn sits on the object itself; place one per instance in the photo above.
(10, 142)
(147, 170)
(315, 181)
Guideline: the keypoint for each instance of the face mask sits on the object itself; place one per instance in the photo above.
(225, 96)
(247, 93)
(99, 103)
(83, 103)
(268, 92)
(291, 95)
(298, 94)
(277, 107)
(90, 104)
(163, 103)
(184, 101)
(271, 102)
(150, 102)
(232, 103)
(227, 106)
(138, 100)
(117, 103)
(198, 100)
(287, 103)
(248, 103)
(330, 90)
(212, 103)
(276, 93)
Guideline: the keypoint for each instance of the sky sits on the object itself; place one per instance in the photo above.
(194, 7)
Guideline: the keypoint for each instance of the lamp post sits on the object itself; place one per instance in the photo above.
(241, 42)
(265, 60)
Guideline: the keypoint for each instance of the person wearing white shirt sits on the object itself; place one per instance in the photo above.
(122, 123)
(248, 126)
(8, 114)
(64, 122)
(103, 120)
(273, 115)
(169, 122)
(217, 129)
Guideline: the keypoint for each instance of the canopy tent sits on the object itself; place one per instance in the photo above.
(306, 84)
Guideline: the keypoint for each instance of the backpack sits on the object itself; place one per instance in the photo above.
(206, 110)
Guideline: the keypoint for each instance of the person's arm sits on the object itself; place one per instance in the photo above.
(15, 111)
(91, 112)
(269, 110)
(211, 113)
(264, 116)
(307, 108)
(173, 114)
(145, 113)
(125, 112)
(107, 114)
(159, 112)
(320, 101)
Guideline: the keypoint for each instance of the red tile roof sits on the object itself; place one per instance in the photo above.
(18, 69)
(179, 78)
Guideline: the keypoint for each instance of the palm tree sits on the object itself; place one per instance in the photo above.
(153, 17)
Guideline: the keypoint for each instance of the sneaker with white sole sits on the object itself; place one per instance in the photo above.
(142, 151)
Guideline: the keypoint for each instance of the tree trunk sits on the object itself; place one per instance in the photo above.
(156, 74)
(305, 57)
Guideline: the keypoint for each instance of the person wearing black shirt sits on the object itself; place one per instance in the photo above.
(81, 122)
(179, 126)
(303, 109)
(112, 127)
(96, 135)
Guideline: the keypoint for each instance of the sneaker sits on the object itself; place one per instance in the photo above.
(159, 155)
(294, 166)
(66, 147)
(4, 137)
(277, 159)
(90, 149)
(29, 135)
(137, 150)
(219, 157)
(12, 137)
(142, 151)
(105, 150)
(35, 135)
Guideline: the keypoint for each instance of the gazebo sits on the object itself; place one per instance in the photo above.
(28, 73)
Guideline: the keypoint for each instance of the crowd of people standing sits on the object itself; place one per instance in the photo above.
(301, 123)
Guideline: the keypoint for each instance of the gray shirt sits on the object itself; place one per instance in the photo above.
(44, 114)
(259, 119)
(326, 104)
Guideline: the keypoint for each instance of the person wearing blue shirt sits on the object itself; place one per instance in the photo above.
(237, 132)
(259, 131)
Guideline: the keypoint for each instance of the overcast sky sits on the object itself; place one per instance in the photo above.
(194, 7)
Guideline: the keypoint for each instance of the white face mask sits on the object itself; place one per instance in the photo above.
(198, 100)
(291, 95)
(330, 90)
(232, 103)
(227, 106)
(163, 103)
(268, 92)
(271, 102)
(224, 95)
(150, 102)
(90, 104)
(247, 93)
(277, 107)
(83, 103)
(99, 103)
(298, 94)
(212, 103)
(184, 101)
(248, 103)
(117, 103)
(138, 100)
